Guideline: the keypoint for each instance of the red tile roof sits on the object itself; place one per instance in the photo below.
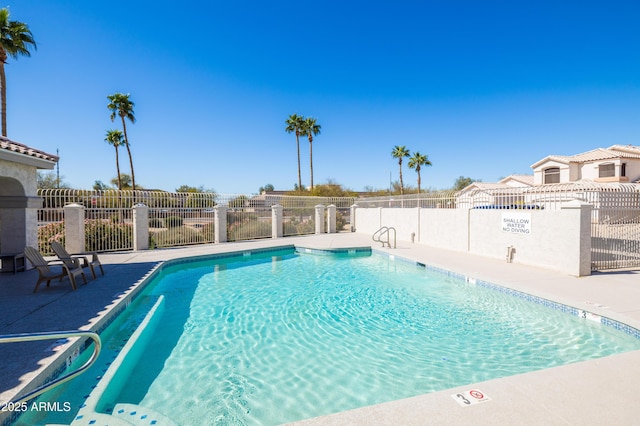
(10, 145)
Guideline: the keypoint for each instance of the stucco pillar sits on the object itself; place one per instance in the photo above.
(220, 224)
(276, 221)
(74, 228)
(352, 217)
(319, 219)
(580, 215)
(331, 219)
(140, 227)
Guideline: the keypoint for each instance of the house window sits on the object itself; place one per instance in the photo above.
(623, 169)
(606, 170)
(552, 175)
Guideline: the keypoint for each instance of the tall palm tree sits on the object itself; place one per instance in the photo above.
(15, 41)
(115, 139)
(416, 162)
(294, 125)
(400, 152)
(120, 105)
(310, 129)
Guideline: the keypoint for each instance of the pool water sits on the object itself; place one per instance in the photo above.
(284, 336)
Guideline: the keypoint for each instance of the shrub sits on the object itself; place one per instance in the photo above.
(173, 222)
(249, 230)
(156, 223)
(47, 234)
(101, 235)
(177, 237)
(208, 232)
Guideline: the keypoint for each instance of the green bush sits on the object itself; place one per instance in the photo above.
(156, 223)
(173, 222)
(177, 237)
(101, 235)
(47, 234)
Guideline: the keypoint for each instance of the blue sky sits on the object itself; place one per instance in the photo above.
(485, 89)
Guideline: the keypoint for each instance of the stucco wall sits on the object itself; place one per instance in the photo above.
(25, 175)
(554, 239)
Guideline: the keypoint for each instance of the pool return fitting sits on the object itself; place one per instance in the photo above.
(510, 252)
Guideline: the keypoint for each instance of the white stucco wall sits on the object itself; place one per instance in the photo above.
(556, 239)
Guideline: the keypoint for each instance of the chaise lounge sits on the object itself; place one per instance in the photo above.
(75, 258)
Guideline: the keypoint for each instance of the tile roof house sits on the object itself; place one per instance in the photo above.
(618, 163)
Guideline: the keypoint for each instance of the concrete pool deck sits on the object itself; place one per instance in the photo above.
(601, 391)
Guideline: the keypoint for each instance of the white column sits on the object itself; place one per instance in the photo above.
(74, 228)
(220, 224)
(352, 218)
(331, 219)
(319, 219)
(276, 221)
(140, 227)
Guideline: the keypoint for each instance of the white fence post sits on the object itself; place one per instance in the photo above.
(319, 219)
(74, 228)
(276, 221)
(220, 224)
(331, 219)
(140, 227)
(352, 218)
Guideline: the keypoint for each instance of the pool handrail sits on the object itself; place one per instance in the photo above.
(29, 337)
(384, 230)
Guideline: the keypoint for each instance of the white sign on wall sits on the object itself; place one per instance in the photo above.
(516, 223)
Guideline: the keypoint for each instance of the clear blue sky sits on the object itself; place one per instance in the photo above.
(484, 88)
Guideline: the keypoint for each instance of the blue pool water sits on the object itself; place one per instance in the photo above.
(282, 336)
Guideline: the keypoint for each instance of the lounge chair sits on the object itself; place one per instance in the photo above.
(75, 258)
(47, 273)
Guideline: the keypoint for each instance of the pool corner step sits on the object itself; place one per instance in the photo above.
(138, 415)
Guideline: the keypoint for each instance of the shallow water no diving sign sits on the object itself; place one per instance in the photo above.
(473, 396)
(516, 223)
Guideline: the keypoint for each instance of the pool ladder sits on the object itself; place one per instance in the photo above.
(30, 337)
(384, 231)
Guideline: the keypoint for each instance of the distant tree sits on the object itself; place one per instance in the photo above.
(416, 162)
(400, 152)
(15, 40)
(294, 125)
(125, 181)
(267, 188)
(115, 139)
(191, 189)
(310, 128)
(120, 105)
(49, 180)
(100, 186)
(332, 189)
(462, 182)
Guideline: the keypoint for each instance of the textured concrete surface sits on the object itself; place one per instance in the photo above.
(601, 391)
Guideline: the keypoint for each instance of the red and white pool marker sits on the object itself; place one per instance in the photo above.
(470, 397)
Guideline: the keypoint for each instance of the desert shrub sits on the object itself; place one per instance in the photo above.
(156, 223)
(47, 234)
(249, 230)
(173, 222)
(101, 235)
(208, 232)
(177, 237)
(341, 222)
(295, 227)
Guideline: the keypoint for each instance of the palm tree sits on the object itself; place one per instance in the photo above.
(115, 139)
(121, 105)
(400, 152)
(310, 129)
(416, 162)
(15, 41)
(294, 125)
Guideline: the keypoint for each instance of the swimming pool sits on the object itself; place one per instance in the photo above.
(278, 336)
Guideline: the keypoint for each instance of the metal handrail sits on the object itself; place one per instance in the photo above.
(28, 337)
(382, 231)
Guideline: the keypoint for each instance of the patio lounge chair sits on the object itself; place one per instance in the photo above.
(75, 258)
(46, 273)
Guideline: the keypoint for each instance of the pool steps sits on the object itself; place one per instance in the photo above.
(123, 414)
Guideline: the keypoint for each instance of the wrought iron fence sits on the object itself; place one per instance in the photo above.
(175, 219)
